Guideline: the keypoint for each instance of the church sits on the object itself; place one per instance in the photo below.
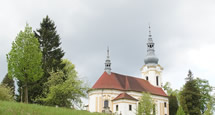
(119, 94)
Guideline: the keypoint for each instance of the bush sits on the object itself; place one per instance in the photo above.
(5, 93)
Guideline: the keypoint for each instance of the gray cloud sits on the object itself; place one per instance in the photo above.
(180, 29)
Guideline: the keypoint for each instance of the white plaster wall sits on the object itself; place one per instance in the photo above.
(111, 94)
(123, 107)
(152, 72)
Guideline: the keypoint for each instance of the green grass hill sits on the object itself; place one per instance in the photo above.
(14, 108)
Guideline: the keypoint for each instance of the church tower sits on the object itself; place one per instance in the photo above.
(152, 71)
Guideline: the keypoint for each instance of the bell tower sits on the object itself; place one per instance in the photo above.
(152, 71)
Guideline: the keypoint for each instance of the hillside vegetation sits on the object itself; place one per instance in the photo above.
(14, 108)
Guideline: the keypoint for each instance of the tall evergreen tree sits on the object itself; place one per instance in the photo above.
(173, 105)
(52, 54)
(190, 96)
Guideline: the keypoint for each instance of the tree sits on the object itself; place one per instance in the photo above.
(5, 93)
(146, 104)
(169, 90)
(24, 59)
(190, 96)
(180, 111)
(52, 54)
(210, 106)
(173, 105)
(205, 90)
(9, 82)
(64, 87)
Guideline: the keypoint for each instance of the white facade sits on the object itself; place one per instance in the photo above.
(153, 74)
(98, 96)
(125, 107)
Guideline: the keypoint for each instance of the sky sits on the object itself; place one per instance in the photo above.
(183, 33)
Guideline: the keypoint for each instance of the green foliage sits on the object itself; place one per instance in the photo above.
(173, 105)
(51, 55)
(64, 88)
(24, 59)
(13, 108)
(5, 93)
(205, 90)
(190, 96)
(210, 106)
(49, 44)
(180, 111)
(9, 82)
(169, 90)
(145, 106)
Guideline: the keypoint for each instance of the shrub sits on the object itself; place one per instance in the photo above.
(5, 93)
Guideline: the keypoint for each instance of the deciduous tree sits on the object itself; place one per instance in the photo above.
(24, 59)
(9, 82)
(64, 87)
(145, 106)
(5, 93)
(205, 91)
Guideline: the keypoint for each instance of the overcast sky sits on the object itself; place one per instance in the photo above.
(183, 32)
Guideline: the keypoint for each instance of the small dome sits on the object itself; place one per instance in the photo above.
(151, 59)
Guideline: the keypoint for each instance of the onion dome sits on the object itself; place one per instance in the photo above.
(150, 57)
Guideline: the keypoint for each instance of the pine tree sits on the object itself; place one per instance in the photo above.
(190, 96)
(52, 55)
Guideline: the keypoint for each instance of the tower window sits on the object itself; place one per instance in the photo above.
(117, 107)
(130, 107)
(147, 78)
(106, 104)
(157, 80)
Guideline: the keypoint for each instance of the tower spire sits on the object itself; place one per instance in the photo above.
(150, 57)
(108, 62)
(150, 35)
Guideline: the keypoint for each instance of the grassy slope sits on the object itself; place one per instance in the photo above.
(13, 108)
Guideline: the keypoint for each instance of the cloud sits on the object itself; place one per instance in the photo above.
(182, 32)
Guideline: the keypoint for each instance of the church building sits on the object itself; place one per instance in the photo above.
(120, 94)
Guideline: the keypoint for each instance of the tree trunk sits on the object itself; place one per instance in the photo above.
(21, 94)
(26, 92)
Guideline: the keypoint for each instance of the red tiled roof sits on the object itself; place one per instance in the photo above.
(126, 83)
(124, 96)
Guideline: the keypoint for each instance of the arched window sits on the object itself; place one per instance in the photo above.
(157, 82)
(147, 78)
(106, 104)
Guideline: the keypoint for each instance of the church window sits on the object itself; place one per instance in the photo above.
(157, 81)
(130, 107)
(106, 104)
(165, 104)
(147, 78)
(117, 107)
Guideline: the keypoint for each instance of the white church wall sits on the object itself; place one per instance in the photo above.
(123, 107)
(152, 71)
(101, 95)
